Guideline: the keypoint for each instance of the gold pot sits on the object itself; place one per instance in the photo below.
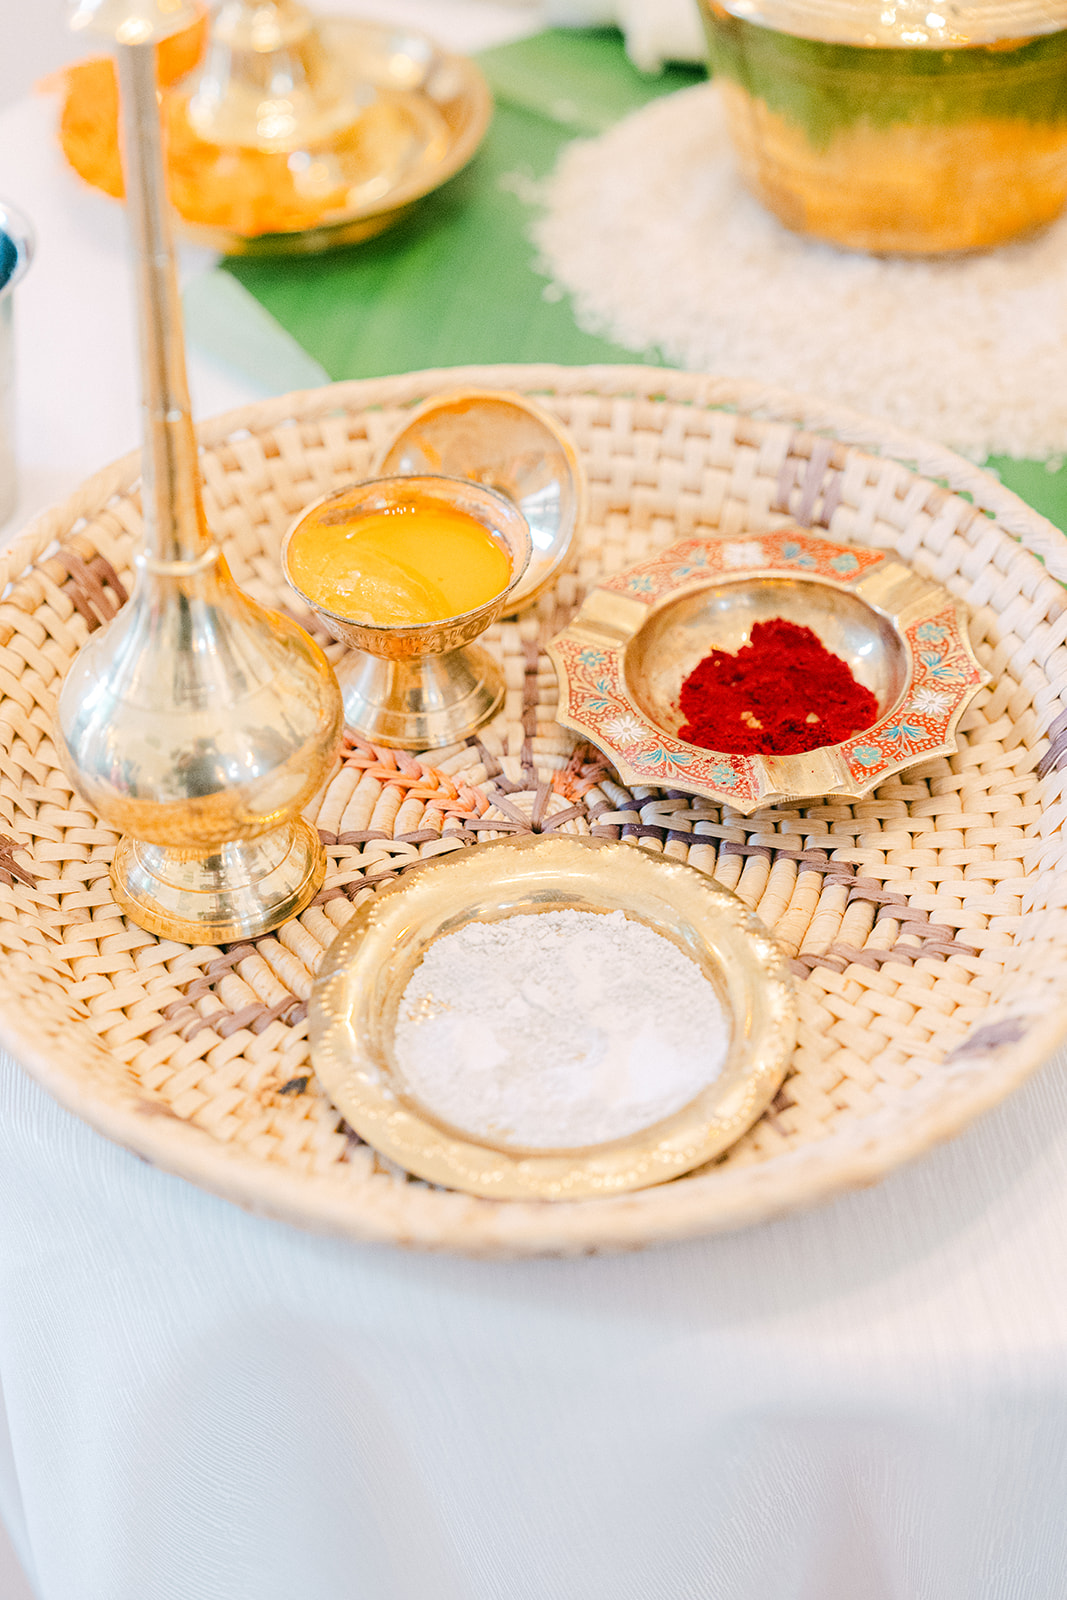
(914, 128)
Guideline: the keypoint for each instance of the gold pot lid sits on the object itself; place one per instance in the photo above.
(902, 24)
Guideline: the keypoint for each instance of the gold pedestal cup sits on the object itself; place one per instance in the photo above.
(506, 442)
(426, 686)
(198, 723)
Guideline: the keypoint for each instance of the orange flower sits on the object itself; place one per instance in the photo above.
(89, 120)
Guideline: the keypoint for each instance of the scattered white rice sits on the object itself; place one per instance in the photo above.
(664, 252)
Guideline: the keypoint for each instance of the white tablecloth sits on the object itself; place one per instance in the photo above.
(865, 1403)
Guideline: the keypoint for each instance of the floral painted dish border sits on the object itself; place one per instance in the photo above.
(943, 673)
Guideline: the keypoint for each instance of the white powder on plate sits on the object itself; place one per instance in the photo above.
(558, 1030)
(663, 250)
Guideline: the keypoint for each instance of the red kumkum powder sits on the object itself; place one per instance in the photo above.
(781, 694)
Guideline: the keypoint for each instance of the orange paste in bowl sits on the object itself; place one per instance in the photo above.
(413, 563)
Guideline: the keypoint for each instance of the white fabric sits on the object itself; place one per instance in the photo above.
(865, 1403)
(656, 31)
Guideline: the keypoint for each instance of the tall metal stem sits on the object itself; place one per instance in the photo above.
(197, 723)
(175, 526)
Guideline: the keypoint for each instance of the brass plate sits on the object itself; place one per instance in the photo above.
(426, 87)
(357, 994)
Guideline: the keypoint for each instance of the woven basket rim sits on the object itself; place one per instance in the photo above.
(745, 395)
(579, 1227)
(431, 1220)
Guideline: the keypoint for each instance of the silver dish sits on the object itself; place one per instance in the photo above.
(428, 114)
(507, 443)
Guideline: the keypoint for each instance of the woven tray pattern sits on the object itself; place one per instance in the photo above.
(926, 924)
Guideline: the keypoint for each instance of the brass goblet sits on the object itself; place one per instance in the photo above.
(269, 81)
(421, 686)
(331, 96)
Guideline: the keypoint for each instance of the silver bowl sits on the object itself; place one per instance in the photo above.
(509, 444)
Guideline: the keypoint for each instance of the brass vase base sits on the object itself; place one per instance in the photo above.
(236, 891)
(419, 702)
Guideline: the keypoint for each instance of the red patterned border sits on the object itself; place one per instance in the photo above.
(943, 674)
(790, 552)
(599, 704)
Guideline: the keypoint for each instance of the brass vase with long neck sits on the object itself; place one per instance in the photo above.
(198, 723)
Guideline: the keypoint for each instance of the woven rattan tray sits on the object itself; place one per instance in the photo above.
(927, 923)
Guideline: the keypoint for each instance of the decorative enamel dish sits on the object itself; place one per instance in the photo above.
(354, 1006)
(623, 659)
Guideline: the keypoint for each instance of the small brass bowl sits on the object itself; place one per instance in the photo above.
(639, 635)
(357, 995)
(507, 443)
(421, 687)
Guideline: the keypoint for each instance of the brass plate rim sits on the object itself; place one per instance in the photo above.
(368, 966)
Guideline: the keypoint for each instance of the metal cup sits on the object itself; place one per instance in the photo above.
(419, 686)
(16, 252)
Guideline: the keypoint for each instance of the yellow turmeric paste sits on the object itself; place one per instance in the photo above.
(417, 562)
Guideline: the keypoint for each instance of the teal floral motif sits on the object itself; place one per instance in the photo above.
(591, 658)
(641, 584)
(724, 776)
(796, 557)
(867, 755)
(931, 632)
(698, 564)
(904, 730)
(845, 563)
(659, 757)
(937, 666)
(596, 705)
